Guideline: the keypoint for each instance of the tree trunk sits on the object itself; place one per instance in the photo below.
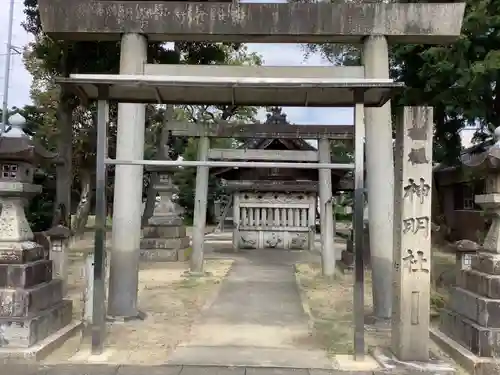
(149, 205)
(83, 209)
(64, 170)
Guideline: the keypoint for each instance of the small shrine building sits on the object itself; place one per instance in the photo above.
(274, 207)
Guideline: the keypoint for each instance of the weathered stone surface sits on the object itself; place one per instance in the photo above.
(412, 235)
(164, 231)
(481, 310)
(25, 332)
(25, 275)
(166, 221)
(165, 255)
(277, 23)
(22, 302)
(480, 283)
(484, 342)
(487, 263)
(23, 252)
(164, 243)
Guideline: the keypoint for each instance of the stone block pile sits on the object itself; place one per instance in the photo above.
(473, 319)
(31, 301)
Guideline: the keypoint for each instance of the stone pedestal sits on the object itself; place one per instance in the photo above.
(470, 326)
(33, 314)
(473, 317)
(164, 239)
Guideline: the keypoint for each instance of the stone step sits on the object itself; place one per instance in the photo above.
(23, 302)
(19, 253)
(25, 275)
(25, 332)
(486, 262)
(478, 282)
(481, 310)
(481, 341)
(231, 356)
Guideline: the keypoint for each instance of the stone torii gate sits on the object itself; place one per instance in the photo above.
(372, 24)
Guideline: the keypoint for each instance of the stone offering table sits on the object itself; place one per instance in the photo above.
(165, 235)
(33, 314)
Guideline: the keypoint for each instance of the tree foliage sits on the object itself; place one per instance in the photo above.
(459, 80)
(68, 127)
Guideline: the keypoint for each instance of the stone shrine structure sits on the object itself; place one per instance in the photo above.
(32, 310)
(473, 316)
(272, 207)
(165, 235)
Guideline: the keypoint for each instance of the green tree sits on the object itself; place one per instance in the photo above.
(459, 80)
(47, 58)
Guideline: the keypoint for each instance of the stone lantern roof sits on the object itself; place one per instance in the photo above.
(486, 158)
(16, 145)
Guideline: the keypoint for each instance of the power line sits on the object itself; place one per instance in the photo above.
(7, 68)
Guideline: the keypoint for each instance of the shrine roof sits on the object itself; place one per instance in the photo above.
(244, 91)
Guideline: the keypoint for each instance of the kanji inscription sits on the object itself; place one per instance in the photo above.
(416, 224)
(420, 190)
(416, 261)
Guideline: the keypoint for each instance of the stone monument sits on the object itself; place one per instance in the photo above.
(165, 237)
(473, 317)
(33, 314)
(410, 321)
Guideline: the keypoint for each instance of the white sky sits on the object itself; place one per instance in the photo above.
(273, 54)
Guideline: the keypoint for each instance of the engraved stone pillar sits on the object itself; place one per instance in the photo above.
(32, 308)
(165, 237)
(412, 235)
(473, 315)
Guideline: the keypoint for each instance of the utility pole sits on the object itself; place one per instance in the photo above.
(7, 68)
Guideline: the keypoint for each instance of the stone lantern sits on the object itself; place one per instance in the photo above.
(32, 308)
(59, 236)
(473, 317)
(165, 235)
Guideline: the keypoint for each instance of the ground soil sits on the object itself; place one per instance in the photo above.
(172, 301)
(330, 304)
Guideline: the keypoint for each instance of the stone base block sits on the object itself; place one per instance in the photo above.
(164, 232)
(481, 341)
(165, 255)
(479, 282)
(487, 263)
(25, 332)
(41, 349)
(389, 362)
(165, 243)
(473, 364)
(19, 253)
(23, 302)
(347, 259)
(25, 275)
(481, 310)
(165, 221)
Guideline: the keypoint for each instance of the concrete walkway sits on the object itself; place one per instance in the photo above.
(257, 318)
(165, 370)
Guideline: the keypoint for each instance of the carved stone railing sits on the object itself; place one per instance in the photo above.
(274, 220)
